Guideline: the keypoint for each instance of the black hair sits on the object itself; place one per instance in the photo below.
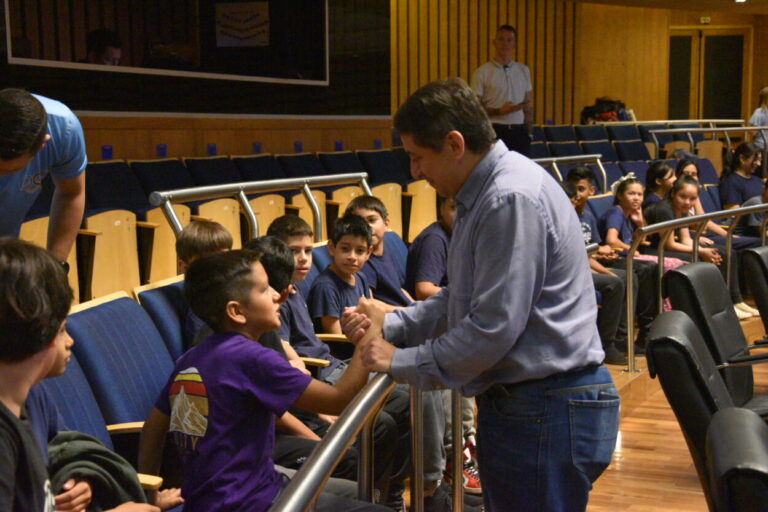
(215, 279)
(23, 124)
(681, 182)
(656, 171)
(277, 259)
(288, 226)
(438, 108)
(745, 150)
(351, 225)
(622, 185)
(506, 27)
(367, 203)
(581, 172)
(682, 164)
(98, 40)
(34, 299)
(569, 188)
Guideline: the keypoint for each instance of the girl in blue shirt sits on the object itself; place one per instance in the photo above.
(740, 182)
(619, 222)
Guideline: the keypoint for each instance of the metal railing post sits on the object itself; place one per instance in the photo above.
(457, 457)
(417, 450)
(173, 219)
(253, 222)
(365, 463)
(316, 217)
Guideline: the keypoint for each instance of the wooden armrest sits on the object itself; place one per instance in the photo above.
(617, 249)
(332, 202)
(314, 361)
(333, 337)
(199, 217)
(86, 232)
(645, 242)
(407, 194)
(150, 482)
(125, 428)
(147, 225)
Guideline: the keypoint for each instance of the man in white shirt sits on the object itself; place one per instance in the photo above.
(505, 91)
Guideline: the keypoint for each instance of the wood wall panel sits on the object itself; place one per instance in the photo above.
(137, 137)
(434, 40)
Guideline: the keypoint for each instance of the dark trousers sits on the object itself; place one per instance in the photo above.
(613, 305)
(515, 136)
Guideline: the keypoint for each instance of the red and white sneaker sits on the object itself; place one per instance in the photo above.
(471, 479)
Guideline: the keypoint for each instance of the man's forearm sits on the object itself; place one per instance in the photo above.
(65, 219)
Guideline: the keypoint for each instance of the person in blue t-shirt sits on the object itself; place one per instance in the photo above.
(39, 136)
(381, 271)
(427, 268)
(658, 180)
(740, 182)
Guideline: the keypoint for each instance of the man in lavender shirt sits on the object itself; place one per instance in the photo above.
(515, 326)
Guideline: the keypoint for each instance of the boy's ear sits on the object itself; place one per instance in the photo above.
(370, 250)
(331, 247)
(234, 312)
(182, 266)
(592, 190)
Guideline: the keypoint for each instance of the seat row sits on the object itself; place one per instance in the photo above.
(613, 132)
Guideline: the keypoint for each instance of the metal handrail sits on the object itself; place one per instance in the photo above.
(574, 159)
(239, 191)
(307, 483)
(665, 229)
(690, 131)
(672, 121)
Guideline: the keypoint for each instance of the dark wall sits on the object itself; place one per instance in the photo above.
(359, 78)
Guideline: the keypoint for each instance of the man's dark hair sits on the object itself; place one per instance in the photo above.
(98, 40)
(352, 225)
(569, 188)
(23, 124)
(367, 203)
(277, 259)
(581, 172)
(34, 299)
(441, 107)
(508, 28)
(288, 226)
(215, 279)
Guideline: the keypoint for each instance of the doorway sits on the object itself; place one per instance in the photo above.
(709, 72)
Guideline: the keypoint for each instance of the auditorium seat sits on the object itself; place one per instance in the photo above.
(708, 175)
(697, 137)
(712, 150)
(602, 147)
(623, 132)
(640, 169)
(340, 162)
(707, 203)
(561, 133)
(755, 263)
(564, 149)
(301, 165)
(539, 150)
(398, 204)
(423, 207)
(266, 206)
(384, 166)
(258, 167)
(537, 134)
(631, 150)
(699, 290)
(714, 194)
(591, 132)
(600, 203)
(165, 303)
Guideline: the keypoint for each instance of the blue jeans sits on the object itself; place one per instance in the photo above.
(541, 443)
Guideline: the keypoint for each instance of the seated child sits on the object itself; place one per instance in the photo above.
(381, 271)
(341, 284)
(223, 396)
(34, 345)
(426, 271)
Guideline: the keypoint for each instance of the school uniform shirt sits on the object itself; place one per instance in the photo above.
(428, 258)
(296, 328)
(614, 218)
(660, 212)
(44, 418)
(329, 295)
(63, 156)
(383, 277)
(649, 200)
(736, 189)
(24, 483)
(222, 399)
(589, 227)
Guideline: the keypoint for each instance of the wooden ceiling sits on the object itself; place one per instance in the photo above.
(748, 7)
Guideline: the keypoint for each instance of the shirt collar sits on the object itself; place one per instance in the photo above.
(500, 65)
(476, 180)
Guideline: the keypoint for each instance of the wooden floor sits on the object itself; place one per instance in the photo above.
(652, 469)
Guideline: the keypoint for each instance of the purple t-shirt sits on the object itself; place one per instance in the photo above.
(614, 218)
(428, 258)
(222, 399)
(736, 189)
(329, 295)
(296, 328)
(385, 280)
(589, 227)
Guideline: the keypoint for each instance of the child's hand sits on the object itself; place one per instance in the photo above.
(168, 498)
(299, 365)
(328, 418)
(705, 242)
(606, 252)
(75, 496)
(711, 256)
(375, 311)
(354, 324)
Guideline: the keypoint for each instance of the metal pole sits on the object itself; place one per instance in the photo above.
(605, 175)
(366, 188)
(457, 457)
(173, 219)
(253, 222)
(315, 212)
(557, 172)
(728, 247)
(663, 237)
(365, 463)
(417, 451)
(656, 143)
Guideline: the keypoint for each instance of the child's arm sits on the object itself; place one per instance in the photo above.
(291, 425)
(612, 239)
(598, 267)
(426, 289)
(293, 358)
(330, 324)
(152, 442)
(405, 292)
(322, 398)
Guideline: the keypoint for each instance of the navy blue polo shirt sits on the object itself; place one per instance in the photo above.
(383, 276)
(329, 295)
(428, 258)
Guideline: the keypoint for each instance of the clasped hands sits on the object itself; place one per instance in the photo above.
(363, 326)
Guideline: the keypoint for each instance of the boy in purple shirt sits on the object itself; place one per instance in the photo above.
(382, 271)
(223, 396)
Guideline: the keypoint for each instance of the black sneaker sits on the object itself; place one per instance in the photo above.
(441, 501)
(614, 356)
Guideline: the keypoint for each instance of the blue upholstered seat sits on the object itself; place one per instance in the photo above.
(384, 166)
(167, 308)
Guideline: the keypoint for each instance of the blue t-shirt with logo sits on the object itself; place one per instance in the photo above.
(63, 156)
(589, 227)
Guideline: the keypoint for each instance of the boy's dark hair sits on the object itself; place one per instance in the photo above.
(569, 188)
(367, 203)
(34, 299)
(582, 172)
(352, 225)
(201, 237)
(656, 171)
(441, 107)
(98, 40)
(215, 279)
(23, 124)
(508, 28)
(277, 259)
(288, 226)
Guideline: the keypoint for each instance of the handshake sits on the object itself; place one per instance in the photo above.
(363, 325)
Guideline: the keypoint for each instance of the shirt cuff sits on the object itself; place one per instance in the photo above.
(403, 363)
(394, 329)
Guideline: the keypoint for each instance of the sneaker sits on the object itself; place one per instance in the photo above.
(441, 501)
(395, 499)
(615, 356)
(471, 479)
(743, 306)
(742, 315)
